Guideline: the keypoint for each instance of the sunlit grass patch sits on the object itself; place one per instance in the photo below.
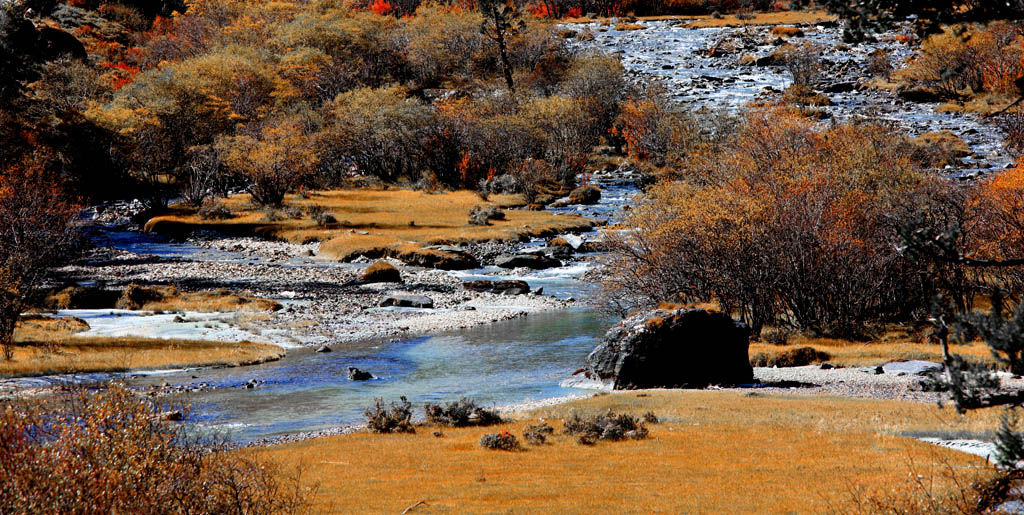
(50, 346)
(372, 221)
(712, 452)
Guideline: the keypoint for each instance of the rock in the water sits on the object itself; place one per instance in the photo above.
(499, 287)
(585, 195)
(172, 416)
(407, 301)
(381, 272)
(323, 348)
(910, 368)
(533, 261)
(658, 349)
(354, 374)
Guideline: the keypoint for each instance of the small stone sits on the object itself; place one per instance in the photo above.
(323, 348)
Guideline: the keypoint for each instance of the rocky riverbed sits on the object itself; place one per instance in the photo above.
(726, 68)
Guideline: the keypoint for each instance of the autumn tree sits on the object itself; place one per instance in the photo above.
(37, 231)
(271, 161)
(501, 21)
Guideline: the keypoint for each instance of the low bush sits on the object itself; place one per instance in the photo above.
(538, 434)
(482, 215)
(212, 209)
(609, 426)
(395, 418)
(776, 336)
(111, 451)
(799, 357)
(461, 413)
(503, 441)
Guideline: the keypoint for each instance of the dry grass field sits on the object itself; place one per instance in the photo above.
(713, 452)
(49, 346)
(848, 353)
(369, 221)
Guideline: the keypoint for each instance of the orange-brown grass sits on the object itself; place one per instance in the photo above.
(208, 301)
(776, 18)
(713, 452)
(49, 347)
(391, 218)
(862, 354)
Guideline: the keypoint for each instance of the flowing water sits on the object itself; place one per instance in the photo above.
(509, 362)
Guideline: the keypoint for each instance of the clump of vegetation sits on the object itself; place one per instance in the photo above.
(504, 441)
(538, 434)
(482, 215)
(745, 209)
(776, 335)
(962, 61)
(798, 357)
(651, 418)
(608, 426)
(213, 209)
(114, 452)
(461, 413)
(394, 418)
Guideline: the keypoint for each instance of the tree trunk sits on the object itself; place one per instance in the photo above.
(506, 66)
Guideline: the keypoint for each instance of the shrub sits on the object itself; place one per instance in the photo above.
(785, 223)
(775, 336)
(803, 62)
(324, 219)
(482, 215)
(654, 130)
(651, 418)
(961, 60)
(608, 426)
(461, 413)
(111, 452)
(395, 418)
(529, 177)
(799, 357)
(504, 441)
(1012, 124)
(538, 434)
(213, 209)
(880, 63)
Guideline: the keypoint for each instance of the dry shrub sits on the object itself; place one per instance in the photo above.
(461, 413)
(504, 441)
(482, 215)
(395, 418)
(799, 357)
(776, 335)
(1012, 123)
(529, 176)
(538, 434)
(995, 221)
(963, 60)
(608, 426)
(654, 130)
(880, 64)
(112, 452)
(803, 62)
(785, 223)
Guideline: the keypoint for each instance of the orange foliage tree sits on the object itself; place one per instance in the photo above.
(785, 223)
(37, 231)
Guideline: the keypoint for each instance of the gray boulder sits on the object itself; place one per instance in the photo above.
(665, 349)
(532, 261)
(407, 301)
(499, 287)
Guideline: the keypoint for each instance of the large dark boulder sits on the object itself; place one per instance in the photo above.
(533, 261)
(499, 287)
(407, 301)
(666, 349)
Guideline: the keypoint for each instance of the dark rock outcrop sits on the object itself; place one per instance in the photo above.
(499, 287)
(381, 272)
(533, 261)
(354, 374)
(407, 301)
(664, 349)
